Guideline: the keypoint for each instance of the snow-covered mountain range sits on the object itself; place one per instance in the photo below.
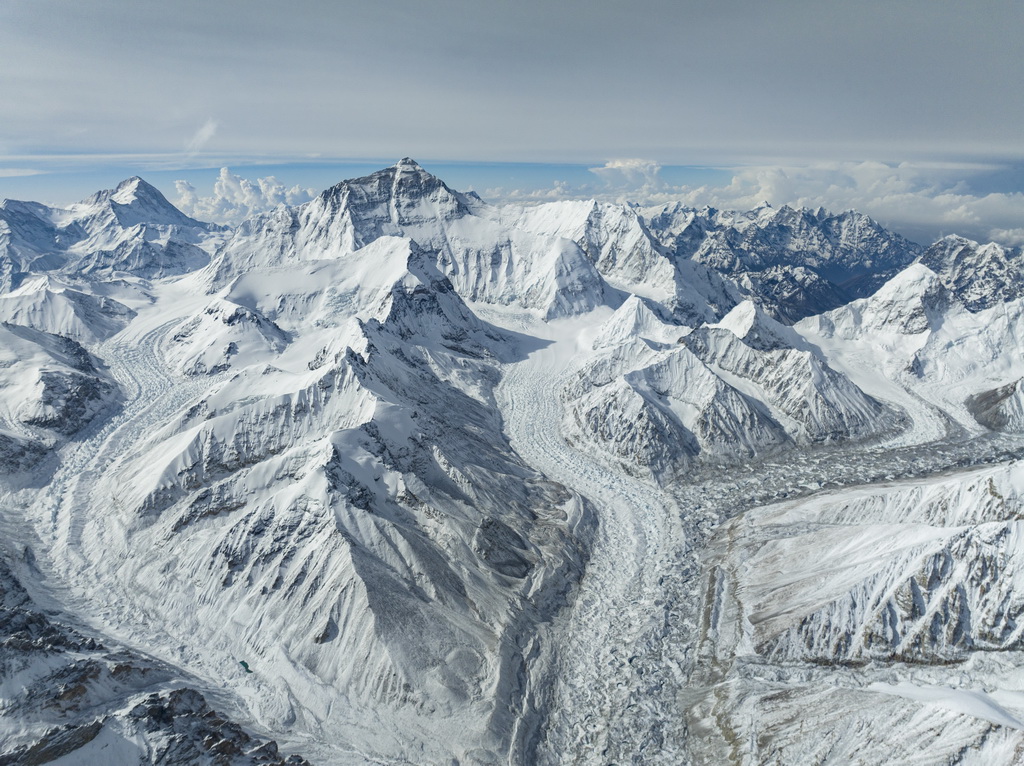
(400, 476)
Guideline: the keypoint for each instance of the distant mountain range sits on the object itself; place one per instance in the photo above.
(401, 476)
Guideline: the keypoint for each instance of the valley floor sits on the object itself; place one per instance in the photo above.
(655, 661)
(589, 712)
(641, 663)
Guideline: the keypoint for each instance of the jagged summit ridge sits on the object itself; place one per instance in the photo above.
(797, 262)
(979, 275)
(383, 202)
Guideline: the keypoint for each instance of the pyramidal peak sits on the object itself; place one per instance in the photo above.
(136, 189)
(131, 202)
(402, 194)
(126, 192)
(749, 322)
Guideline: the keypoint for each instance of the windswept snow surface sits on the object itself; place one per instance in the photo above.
(401, 477)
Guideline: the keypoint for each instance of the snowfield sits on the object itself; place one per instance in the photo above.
(400, 477)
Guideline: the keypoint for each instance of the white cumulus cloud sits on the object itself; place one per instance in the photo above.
(630, 172)
(1009, 236)
(235, 198)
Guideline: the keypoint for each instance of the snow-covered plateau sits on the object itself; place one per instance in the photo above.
(398, 476)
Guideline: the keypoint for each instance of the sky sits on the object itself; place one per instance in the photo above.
(907, 109)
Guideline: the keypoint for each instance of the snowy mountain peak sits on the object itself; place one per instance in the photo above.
(130, 203)
(916, 274)
(748, 322)
(913, 301)
(980, 276)
(131, 228)
(953, 241)
(401, 195)
(135, 188)
(632, 320)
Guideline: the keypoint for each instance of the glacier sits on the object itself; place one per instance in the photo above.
(401, 476)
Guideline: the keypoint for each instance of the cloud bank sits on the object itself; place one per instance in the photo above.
(235, 198)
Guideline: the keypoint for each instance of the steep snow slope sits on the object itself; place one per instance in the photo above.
(916, 335)
(46, 304)
(344, 514)
(612, 236)
(29, 239)
(904, 600)
(222, 336)
(49, 390)
(616, 240)
(67, 698)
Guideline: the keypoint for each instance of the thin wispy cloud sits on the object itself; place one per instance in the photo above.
(692, 82)
(19, 172)
(201, 137)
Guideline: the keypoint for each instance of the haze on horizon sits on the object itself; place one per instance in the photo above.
(907, 110)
